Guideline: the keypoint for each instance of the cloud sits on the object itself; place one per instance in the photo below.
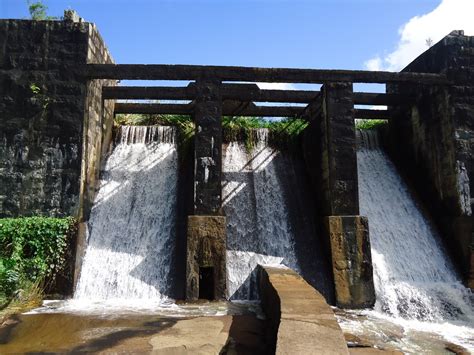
(448, 16)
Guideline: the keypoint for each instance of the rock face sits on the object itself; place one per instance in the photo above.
(431, 140)
(299, 319)
(206, 258)
(53, 126)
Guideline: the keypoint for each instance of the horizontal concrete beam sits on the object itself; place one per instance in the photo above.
(241, 92)
(250, 74)
(231, 108)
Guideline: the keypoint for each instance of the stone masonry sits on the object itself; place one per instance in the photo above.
(52, 126)
(432, 141)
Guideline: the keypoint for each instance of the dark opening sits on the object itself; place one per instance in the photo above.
(206, 283)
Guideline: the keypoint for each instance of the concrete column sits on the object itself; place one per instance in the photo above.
(331, 159)
(206, 230)
(208, 148)
(341, 164)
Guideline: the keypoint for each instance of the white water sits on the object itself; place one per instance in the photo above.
(415, 282)
(133, 221)
(258, 230)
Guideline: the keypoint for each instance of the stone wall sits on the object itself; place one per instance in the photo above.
(432, 141)
(49, 117)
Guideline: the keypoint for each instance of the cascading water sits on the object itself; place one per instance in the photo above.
(133, 221)
(261, 229)
(413, 277)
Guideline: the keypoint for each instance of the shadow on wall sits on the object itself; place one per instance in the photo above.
(270, 219)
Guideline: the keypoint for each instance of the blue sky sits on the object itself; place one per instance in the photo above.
(305, 34)
(326, 34)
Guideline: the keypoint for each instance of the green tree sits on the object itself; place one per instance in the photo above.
(38, 11)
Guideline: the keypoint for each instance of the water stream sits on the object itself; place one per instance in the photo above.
(132, 225)
(414, 279)
(269, 217)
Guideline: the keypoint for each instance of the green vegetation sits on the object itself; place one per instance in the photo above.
(370, 124)
(38, 11)
(282, 133)
(32, 254)
(43, 99)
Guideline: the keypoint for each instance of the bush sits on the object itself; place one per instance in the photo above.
(370, 124)
(32, 250)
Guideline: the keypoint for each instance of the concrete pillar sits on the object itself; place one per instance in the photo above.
(206, 230)
(208, 148)
(331, 160)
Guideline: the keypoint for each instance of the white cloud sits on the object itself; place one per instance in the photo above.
(448, 16)
(276, 86)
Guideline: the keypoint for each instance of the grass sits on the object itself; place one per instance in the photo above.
(370, 124)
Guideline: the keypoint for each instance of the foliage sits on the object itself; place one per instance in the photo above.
(38, 10)
(281, 133)
(43, 99)
(32, 250)
(370, 124)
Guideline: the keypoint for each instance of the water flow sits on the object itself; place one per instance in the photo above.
(132, 223)
(413, 276)
(259, 230)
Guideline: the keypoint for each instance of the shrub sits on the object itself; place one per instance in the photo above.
(32, 249)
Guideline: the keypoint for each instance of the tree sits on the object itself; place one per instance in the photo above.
(38, 11)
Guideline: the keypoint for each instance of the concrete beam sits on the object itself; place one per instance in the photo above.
(235, 108)
(240, 92)
(250, 74)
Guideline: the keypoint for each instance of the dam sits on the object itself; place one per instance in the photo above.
(293, 237)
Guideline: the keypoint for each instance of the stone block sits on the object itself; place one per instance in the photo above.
(351, 261)
(206, 257)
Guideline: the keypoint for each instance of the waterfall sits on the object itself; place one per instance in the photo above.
(413, 276)
(260, 189)
(132, 226)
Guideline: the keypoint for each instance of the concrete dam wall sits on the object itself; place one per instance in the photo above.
(162, 220)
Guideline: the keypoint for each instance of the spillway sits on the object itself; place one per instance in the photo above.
(413, 276)
(132, 226)
(269, 217)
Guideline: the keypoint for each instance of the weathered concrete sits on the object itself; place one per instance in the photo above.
(299, 319)
(208, 148)
(432, 139)
(206, 248)
(329, 148)
(132, 334)
(351, 261)
(53, 124)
